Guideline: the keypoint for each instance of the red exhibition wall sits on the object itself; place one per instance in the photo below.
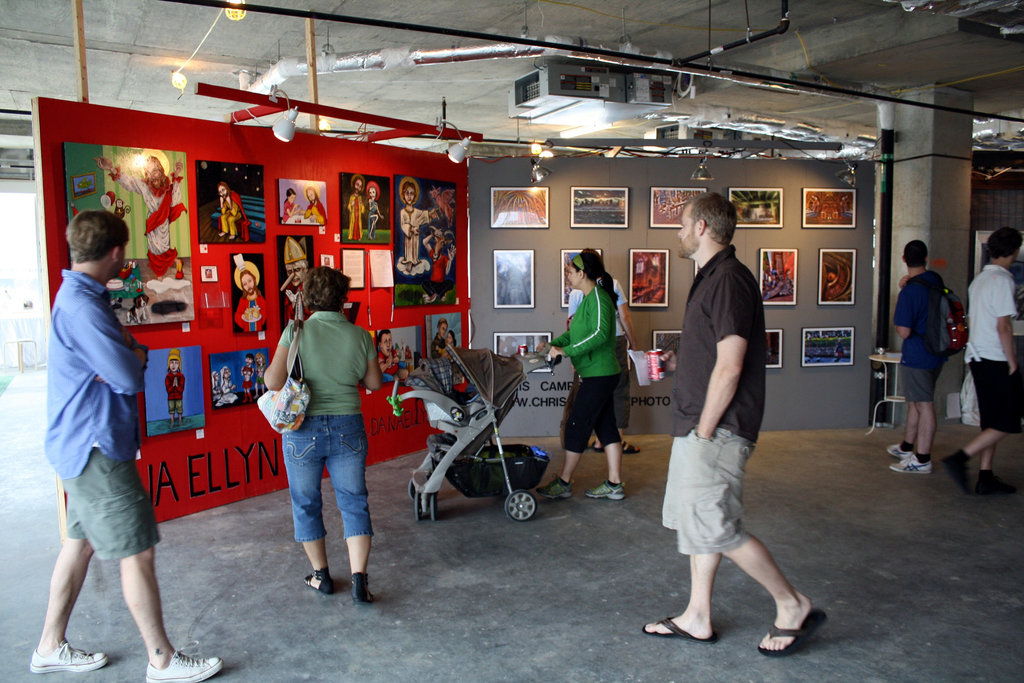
(239, 455)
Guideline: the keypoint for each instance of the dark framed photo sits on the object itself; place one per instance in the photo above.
(667, 205)
(837, 277)
(777, 275)
(600, 207)
(829, 208)
(519, 207)
(773, 348)
(513, 278)
(508, 343)
(757, 207)
(665, 340)
(648, 278)
(826, 346)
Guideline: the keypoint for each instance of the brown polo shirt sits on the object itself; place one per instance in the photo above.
(723, 301)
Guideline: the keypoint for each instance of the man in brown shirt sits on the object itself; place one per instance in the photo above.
(718, 403)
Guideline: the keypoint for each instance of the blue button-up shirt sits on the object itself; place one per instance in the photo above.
(86, 343)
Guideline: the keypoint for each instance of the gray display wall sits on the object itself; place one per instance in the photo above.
(823, 396)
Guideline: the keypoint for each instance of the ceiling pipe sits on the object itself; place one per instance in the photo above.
(684, 65)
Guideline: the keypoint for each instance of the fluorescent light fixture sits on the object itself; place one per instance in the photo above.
(284, 130)
(457, 152)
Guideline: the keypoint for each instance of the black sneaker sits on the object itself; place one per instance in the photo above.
(956, 466)
(993, 485)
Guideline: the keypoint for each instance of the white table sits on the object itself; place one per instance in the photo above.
(888, 359)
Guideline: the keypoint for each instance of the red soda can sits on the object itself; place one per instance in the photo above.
(654, 369)
(522, 349)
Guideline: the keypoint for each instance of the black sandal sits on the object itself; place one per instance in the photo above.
(360, 589)
(326, 586)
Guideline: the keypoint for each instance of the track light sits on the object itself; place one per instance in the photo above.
(457, 152)
(848, 175)
(538, 172)
(702, 172)
(284, 130)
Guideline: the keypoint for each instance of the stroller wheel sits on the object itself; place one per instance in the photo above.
(412, 490)
(520, 506)
(417, 514)
(432, 506)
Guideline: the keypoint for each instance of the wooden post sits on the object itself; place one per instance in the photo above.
(79, 40)
(314, 120)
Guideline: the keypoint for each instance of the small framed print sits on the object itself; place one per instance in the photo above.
(837, 277)
(777, 275)
(665, 340)
(773, 348)
(208, 273)
(519, 207)
(513, 278)
(354, 265)
(600, 207)
(508, 343)
(667, 205)
(648, 278)
(826, 346)
(327, 260)
(567, 256)
(757, 207)
(829, 208)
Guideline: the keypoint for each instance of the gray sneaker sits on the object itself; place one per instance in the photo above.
(184, 669)
(606, 490)
(895, 451)
(556, 489)
(912, 466)
(67, 658)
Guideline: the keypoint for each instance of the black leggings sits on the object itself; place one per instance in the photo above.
(592, 412)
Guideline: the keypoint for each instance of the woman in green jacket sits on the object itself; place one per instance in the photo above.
(590, 345)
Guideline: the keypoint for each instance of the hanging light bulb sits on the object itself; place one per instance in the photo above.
(324, 125)
(179, 81)
(235, 14)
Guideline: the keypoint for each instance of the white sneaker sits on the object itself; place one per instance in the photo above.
(912, 466)
(67, 658)
(896, 452)
(184, 669)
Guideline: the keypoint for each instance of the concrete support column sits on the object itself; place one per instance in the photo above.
(932, 202)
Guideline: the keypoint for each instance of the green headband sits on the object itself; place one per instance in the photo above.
(577, 261)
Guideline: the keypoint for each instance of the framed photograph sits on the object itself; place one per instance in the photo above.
(327, 260)
(600, 207)
(508, 343)
(777, 274)
(829, 208)
(665, 340)
(567, 256)
(667, 205)
(757, 207)
(826, 346)
(648, 278)
(208, 273)
(513, 278)
(773, 348)
(837, 277)
(353, 265)
(519, 207)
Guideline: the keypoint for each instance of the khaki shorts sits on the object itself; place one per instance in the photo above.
(704, 492)
(108, 507)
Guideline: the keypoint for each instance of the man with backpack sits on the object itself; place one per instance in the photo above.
(919, 367)
(993, 360)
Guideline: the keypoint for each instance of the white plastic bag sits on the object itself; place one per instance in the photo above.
(969, 402)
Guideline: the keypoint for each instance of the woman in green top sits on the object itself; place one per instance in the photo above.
(336, 356)
(590, 344)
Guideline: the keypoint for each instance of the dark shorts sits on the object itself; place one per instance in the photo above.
(918, 384)
(592, 412)
(1000, 395)
(108, 507)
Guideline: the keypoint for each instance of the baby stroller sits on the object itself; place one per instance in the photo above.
(468, 451)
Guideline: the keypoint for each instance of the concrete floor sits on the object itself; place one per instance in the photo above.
(920, 582)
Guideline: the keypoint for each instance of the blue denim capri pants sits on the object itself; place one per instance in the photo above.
(337, 442)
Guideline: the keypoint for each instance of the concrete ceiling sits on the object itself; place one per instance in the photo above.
(869, 45)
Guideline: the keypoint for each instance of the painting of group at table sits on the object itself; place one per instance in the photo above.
(148, 189)
(425, 248)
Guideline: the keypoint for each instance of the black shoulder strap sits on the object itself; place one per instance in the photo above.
(922, 280)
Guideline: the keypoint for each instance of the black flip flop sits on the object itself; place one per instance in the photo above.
(812, 622)
(676, 632)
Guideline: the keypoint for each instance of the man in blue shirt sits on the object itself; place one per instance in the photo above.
(92, 438)
(919, 369)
